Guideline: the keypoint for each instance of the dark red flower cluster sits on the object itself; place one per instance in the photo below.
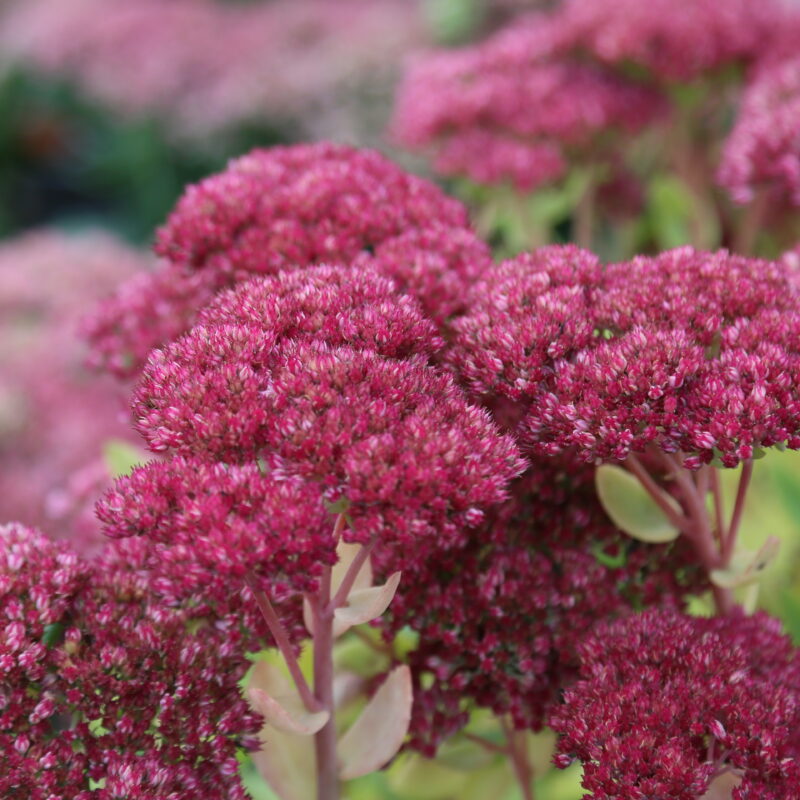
(499, 619)
(517, 106)
(286, 209)
(668, 703)
(697, 352)
(104, 685)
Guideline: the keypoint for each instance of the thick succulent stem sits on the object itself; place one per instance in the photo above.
(284, 645)
(519, 760)
(325, 739)
(322, 608)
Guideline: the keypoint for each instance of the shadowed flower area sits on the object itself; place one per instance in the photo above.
(666, 704)
(500, 618)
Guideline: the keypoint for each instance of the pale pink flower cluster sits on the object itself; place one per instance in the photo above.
(763, 150)
(205, 65)
(517, 107)
(54, 415)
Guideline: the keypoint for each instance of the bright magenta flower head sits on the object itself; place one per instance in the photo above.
(515, 107)
(666, 703)
(763, 150)
(396, 438)
(233, 519)
(697, 352)
(289, 208)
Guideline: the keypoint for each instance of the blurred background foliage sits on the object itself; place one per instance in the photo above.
(71, 160)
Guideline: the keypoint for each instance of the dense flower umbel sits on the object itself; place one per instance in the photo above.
(233, 519)
(697, 352)
(677, 41)
(667, 702)
(102, 680)
(514, 106)
(396, 438)
(289, 208)
(499, 619)
(763, 150)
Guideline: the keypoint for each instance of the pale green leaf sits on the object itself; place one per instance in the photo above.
(631, 508)
(377, 734)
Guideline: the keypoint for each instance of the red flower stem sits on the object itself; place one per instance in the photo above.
(738, 508)
(719, 512)
(325, 739)
(284, 645)
(519, 760)
(350, 576)
(658, 494)
(487, 744)
(711, 556)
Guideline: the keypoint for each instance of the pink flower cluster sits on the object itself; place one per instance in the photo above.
(696, 352)
(763, 149)
(287, 209)
(101, 681)
(54, 415)
(516, 107)
(205, 65)
(331, 383)
(667, 703)
(500, 618)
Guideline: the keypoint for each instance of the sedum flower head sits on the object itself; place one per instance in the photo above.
(288, 208)
(763, 149)
(667, 703)
(516, 107)
(695, 351)
(396, 438)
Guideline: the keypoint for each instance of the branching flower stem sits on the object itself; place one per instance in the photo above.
(714, 542)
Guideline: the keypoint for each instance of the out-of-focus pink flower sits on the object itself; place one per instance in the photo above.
(763, 149)
(54, 415)
(205, 65)
(517, 107)
(676, 40)
(289, 208)
(666, 703)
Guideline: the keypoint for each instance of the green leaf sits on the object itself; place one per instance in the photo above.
(631, 508)
(53, 634)
(121, 457)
